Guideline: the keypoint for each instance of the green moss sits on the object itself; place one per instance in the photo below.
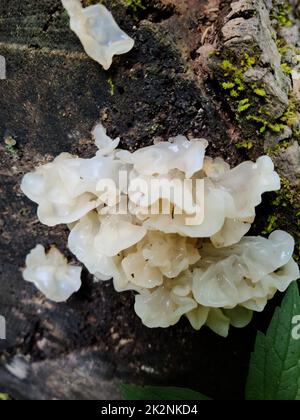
(284, 48)
(284, 21)
(284, 199)
(249, 61)
(90, 2)
(111, 86)
(259, 91)
(11, 150)
(239, 83)
(228, 67)
(155, 128)
(285, 207)
(244, 145)
(288, 119)
(296, 134)
(286, 196)
(250, 102)
(290, 116)
(262, 122)
(245, 95)
(134, 5)
(234, 93)
(251, 99)
(243, 105)
(271, 224)
(274, 150)
(10, 145)
(282, 14)
(286, 68)
(277, 127)
(65, 18)
(237, 71)
(227, 85)
(233, 75)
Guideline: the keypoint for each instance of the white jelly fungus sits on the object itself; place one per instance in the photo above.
(207, 271)
(98, 32)
(51, 273)
(224, 284)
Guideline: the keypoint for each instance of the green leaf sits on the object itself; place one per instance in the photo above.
(275, 364)
(3, 396)
(161, 393)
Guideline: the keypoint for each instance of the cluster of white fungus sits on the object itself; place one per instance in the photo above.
(98, 32)
(206, 271)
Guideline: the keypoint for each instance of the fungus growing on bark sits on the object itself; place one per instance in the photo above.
(51, 273)
(206, 271)
(98, 32)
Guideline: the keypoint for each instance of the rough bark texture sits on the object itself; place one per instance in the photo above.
(169, 84)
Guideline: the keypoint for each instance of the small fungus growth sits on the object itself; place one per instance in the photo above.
(98, 32)
(206, 270)
(51, 273)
